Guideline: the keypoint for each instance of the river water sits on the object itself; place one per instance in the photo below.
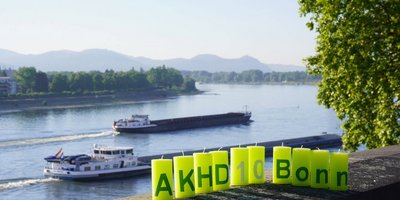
(279, 112)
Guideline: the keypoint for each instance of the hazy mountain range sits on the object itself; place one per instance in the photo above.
(101, 59)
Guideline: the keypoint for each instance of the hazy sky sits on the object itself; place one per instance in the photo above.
(270, 30)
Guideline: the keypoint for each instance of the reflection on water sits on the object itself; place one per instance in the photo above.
(279, 112)
(99, 189)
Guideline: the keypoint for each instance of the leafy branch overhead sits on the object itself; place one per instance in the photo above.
(358, 57)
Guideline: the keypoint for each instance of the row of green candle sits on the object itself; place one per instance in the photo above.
(306, 167)
(207, 172)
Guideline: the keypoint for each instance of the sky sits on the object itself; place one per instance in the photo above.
(269, 30)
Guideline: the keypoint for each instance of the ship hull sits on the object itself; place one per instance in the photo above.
(101, 175)
(174, 124)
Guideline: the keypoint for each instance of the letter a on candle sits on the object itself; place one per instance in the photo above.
(161, 178)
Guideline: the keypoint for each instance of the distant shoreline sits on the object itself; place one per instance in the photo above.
(14, 105)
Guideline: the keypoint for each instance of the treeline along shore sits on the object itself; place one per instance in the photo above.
(40, 90)
(253, 77)
(37, 83)
(49, 90)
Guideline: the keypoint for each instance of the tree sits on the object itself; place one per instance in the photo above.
(81, 81)
(97, 79)
(41, 82)
(157, 76)
(59, 83)
(3, 73)
(189, 85)
(138, 79)
(173, 78)
(109, 80)
(26, 77)
(358, 56)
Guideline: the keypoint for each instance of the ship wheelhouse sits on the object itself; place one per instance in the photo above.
(136, 121)
(106, 152)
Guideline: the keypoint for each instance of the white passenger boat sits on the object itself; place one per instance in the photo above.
(105, 162)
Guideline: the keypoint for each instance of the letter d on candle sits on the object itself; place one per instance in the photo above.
(183, 175)
(161, 178)
(220, 170)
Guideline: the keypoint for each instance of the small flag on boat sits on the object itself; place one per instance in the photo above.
(59, 154)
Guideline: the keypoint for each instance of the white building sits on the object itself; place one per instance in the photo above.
(8, 84)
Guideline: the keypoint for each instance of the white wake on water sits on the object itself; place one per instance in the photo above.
(25, 182)
(44, 140)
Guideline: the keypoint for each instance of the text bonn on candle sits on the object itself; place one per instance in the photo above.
(208, 172)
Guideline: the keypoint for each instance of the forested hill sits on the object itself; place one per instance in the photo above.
(251, 76)
(102, 59)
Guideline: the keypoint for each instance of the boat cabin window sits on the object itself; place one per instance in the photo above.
(97, 167)
(96, 151)
(115, 166)
(116, 152)
(129, 151)
(107, 152)
(87, 168)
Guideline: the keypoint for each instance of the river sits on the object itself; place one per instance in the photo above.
(279, 112)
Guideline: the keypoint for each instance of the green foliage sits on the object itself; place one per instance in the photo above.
(26, 77)
(81, 81)
(3, 73)
(358, 56)
(59, 83)
(109, 80)
(41, 82)
(96, 82)
(164, 77)
(189, 85)
(251, 76)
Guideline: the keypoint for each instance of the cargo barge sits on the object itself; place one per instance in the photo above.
(142, 123)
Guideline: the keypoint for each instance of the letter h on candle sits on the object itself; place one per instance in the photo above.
(202, 172)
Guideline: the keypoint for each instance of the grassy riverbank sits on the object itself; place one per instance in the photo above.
(11, 105)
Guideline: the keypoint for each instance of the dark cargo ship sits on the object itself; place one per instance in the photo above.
(142, 124)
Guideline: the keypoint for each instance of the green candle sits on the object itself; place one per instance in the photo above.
(301, 166)
(161, 178)
(203, 172)
(183, 176)
(281, 165)
(338, 171)
(256, 164)
(239, 166)
(319, 167)
(220, 170)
